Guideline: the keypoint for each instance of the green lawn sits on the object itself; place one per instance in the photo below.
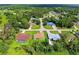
(65, 28)
(36, 27)
(68, 35)
(48, 27)
(77, 26)
(54, 32)
(31, 32)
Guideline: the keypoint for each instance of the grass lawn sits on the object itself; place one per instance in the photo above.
(66, 32)
(31, 32)
(77, 26)
(48, 27)
(77, 30)
(68, 35)
(54, 32)
(45, 33)
(36, 27)
(65, 28)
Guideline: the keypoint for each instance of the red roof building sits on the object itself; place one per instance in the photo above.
(39, 35)
(22, 37)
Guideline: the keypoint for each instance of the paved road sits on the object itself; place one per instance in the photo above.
(23, 30)
(55, 28)
(30, 22)
(75, 27)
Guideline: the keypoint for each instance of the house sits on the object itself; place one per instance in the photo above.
(53, 36)
(39, 35)
(57, 18)
(22, 37)
(51, 24)
(64, 13)
(54, 13)
(77, 34)
(14, 13)
(77, 23)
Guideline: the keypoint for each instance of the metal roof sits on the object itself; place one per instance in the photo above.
(51, 23)
(54, 36)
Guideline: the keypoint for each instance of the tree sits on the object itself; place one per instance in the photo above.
(3, 48)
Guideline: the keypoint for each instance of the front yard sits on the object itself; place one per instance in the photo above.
(36, 27)
(48, 27)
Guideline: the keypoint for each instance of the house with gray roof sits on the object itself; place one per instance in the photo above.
(51, 23)
(77, 34)
(53, 36)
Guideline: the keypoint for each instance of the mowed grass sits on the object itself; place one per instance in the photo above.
(77, 27)
(36, 27)
(31, 32)
(54, 32)
(68, 35)
(65, 28)
(48, 27)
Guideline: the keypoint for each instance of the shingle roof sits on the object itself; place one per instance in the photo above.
(39, 35)
(77, 34)
(22, 37)
(54, 36)
(50, 23)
